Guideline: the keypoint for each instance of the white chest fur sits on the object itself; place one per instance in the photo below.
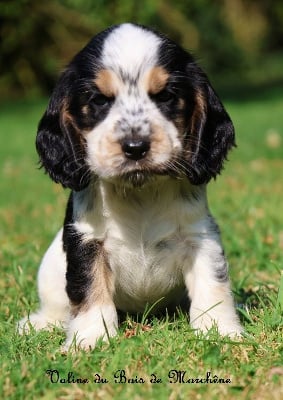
(149, 234)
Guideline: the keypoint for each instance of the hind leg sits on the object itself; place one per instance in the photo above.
(54, 303)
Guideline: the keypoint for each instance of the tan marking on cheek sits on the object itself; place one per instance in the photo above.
(109, 149)
(199, 111)
(160, 142)
(65, 115)
(156, 80)
(107, 82)
(196, 123)
(70, 125)
(179, 121)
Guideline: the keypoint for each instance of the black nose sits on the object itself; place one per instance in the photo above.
(135, 149)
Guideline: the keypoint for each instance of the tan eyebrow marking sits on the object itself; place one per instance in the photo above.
(107, 82)
(156, 80)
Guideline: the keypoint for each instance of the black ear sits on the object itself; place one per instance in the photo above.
(210, 134)
(59, 143)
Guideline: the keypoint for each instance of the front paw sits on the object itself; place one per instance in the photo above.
(87, 328)
(225, 326)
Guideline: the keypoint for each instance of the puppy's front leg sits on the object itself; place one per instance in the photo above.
(209, 290)
(90, 289)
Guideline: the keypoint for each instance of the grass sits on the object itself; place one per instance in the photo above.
(247, 202)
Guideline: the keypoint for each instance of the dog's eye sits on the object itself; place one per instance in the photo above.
(101, 100)
(163, 97)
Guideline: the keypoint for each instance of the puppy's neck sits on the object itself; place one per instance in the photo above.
(150, 189)
(103, 196)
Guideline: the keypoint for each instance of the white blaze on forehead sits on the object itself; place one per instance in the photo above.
(130, 50)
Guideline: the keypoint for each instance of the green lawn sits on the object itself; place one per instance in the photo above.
(247, 202)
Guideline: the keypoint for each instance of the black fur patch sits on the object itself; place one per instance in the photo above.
(80, 258)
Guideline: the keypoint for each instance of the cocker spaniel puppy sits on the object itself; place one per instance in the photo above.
(136, 131)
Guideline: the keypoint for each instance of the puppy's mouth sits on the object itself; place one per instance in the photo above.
(140, 177)
(143, 172)
(137, 178)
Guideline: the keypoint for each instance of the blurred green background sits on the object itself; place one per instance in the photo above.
(238, 42)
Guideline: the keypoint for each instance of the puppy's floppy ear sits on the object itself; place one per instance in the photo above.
(210, 134)
(59, 143)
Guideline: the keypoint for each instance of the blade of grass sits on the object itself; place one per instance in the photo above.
(279, 303)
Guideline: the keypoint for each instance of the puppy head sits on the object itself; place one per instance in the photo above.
(133, 104)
